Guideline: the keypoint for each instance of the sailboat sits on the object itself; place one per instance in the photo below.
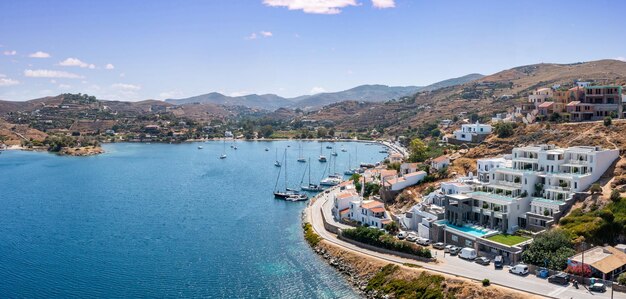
(277, 163)
(287, 194)
(322, 157)
(334, 153)
(234, 146)
(301, 159)
(350, 170)
(223, 156)
(332, 179)
(310, 187)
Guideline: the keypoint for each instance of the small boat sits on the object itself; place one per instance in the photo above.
(277, 163)
(344, 150)
(267, 149)
(383, 151)
(297, 197)
(329, 147)
(331, 180)
(300, 159)
(334, 154)
(223, 156)
(200, 147)
(350, 170)
(322, 157)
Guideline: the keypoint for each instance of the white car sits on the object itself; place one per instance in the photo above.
(423, 241)
(519, 269)
(448, 248)
(402, 235)
(411, 237)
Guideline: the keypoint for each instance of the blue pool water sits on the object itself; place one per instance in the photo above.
(157, 220)
(468, 230)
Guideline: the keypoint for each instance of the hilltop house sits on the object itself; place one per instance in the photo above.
(582, 102)
(474, 133)
(440, 162)
(540, 96)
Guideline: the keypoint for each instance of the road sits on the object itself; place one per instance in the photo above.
(453, 265)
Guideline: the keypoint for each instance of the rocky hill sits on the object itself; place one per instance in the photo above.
(488, 95)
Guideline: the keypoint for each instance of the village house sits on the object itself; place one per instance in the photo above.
(605, 262)
(540, 96)
(420, 217)
(440, 163)
(474, 133)
(349, 205)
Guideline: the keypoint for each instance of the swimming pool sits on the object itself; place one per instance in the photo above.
(465, 229)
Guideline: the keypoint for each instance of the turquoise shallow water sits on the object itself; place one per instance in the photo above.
(158, 220)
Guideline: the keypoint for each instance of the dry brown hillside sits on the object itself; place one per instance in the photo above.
(483, 96)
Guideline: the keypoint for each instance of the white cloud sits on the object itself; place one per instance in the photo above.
(39, 54)
(266, 33)
(9, 52)
(50, 74)
(255, 35)
(384, 3)
(238, 93)
(64, 86)
(76, 62)
(316, 90)
(312, 6)
(251, 36)
(620, 58)
(126, 87)
(123, 75)
(109, 66)
(7, 81)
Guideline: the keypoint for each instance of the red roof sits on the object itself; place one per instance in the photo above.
(344, 211)
(371, 204)
(377, 210)
(546, 104)
(440, 159)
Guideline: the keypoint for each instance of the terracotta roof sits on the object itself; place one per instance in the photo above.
(371, 204)
(546, 104)
(346, 194)
(346, 210)
(385, 221)
(440, 159)
(605, 259)
(573, 103)
(377, 209)
(409, 165)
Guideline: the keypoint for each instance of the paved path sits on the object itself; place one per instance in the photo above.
(453, 265)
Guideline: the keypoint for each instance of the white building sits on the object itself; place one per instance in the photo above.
(349, 205)
(398, 183)
(440, 162)
(406, 168)
(455, 188)
(472, 132)
(485, 165)
(420, 217)
(534, 190)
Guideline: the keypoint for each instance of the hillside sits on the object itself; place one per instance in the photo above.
(482, 96)
(266, 101)
(453, 81)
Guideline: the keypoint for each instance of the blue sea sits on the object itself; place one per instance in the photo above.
(163, 220)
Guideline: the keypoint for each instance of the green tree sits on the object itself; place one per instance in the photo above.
(392, 227)
(504, 129)
(418, 150)
(267, 131)
(608, 121)
(322, 132)
(551, 248)
(621, 279)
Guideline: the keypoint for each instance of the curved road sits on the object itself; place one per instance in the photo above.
(450, 265)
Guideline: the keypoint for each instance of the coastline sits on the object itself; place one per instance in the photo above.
(84, 151)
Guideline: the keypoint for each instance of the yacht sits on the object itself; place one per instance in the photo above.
(322, 157)
(277, 163)
(288, 194)
(300, 158)
(223, 156)
(200, 147)
(310, 187)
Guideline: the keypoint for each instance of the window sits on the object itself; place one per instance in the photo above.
(468, 243)
(454, 238)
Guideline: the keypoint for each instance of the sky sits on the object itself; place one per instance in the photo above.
(135, 50)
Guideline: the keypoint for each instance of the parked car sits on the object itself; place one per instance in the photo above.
(411, 237)
(542, 272)
(402, 235)
(448, 247)
(498, 262)
(423, 241)
(468, 253)
(439, 245)
(482, 261)
(559, 278)
(455, 250)
(519, 269)
(597, 287)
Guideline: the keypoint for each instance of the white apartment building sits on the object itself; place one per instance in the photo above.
(484, 165)
(473, 132)
(420, 217)
(531, 190)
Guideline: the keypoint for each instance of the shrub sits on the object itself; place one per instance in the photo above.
(608, 121)
(579, 270)
(595, 188)
(546, 212)
(486, 282)
(621, 279)
(551, 248)
(615, 195)
(310, 236)
(375, 237)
